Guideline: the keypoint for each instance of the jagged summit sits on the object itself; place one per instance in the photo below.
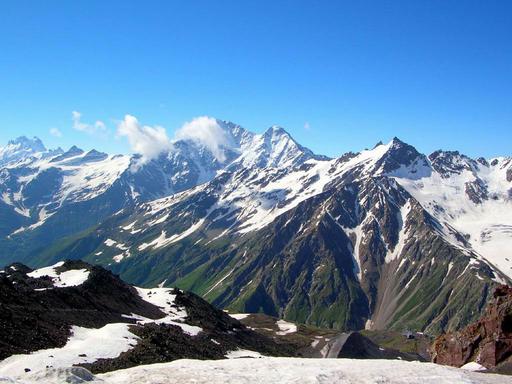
(401, 157)
(452, 162)
(19, 149)
(35, 144)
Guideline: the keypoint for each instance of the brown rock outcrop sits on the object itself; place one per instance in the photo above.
(487, 341)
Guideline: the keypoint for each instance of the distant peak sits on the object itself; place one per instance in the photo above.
(276, 130)
(398, 155)
(75, 150)
(35, 144)
(447, 162)
(71, 152)
(396, 142)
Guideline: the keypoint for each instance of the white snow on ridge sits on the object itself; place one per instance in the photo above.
(473, 366)
(71, 278)
(219, 282)
(239, 316)
(285, 327)
(87, 345)
(243, 353)
(261, 205)
(81, 180)
(163, 241)
(110, 242)
(164, 299)
(85, 181)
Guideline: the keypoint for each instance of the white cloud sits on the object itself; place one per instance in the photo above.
(98, 127)
(207, 131)
(307, 127)
(55, 132)
(147, 141)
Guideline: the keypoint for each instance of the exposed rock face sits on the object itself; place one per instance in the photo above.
(487, 342)
(451, 162)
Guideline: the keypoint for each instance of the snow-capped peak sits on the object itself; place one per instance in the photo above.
(452, 162)
(395, 158)
(399, 156)
(35, 144)
(274, 148)
(20, 148)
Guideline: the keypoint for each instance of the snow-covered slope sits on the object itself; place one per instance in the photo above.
(253, 197)
(273, 370)
(472, 197)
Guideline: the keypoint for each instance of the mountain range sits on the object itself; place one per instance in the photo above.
(384, 238)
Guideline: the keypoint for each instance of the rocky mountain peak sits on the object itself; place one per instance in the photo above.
(240, 136)
(74, 150)
(20, 148)
(71, 152)
(451, 162)
(34, 144)
(276, 130)
(274, 148)
(400, 159)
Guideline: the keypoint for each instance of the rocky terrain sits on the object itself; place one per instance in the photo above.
(487, 342)
(75, 314)
(312, 342)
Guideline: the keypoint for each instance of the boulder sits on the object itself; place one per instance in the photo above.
(487, 342)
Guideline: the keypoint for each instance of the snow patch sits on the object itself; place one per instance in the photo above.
(71, 278)
(85, 345)
(285, 328)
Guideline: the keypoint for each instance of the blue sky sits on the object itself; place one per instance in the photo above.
(436, 73)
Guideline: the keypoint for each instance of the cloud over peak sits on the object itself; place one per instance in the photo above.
(206, 131)
(145, 140)
(150, 141)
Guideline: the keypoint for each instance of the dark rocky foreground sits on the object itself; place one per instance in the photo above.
(35, 314)
(165, 342)
(488, 341)
(38, 313)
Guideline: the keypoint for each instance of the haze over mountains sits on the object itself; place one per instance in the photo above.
(384, 238)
